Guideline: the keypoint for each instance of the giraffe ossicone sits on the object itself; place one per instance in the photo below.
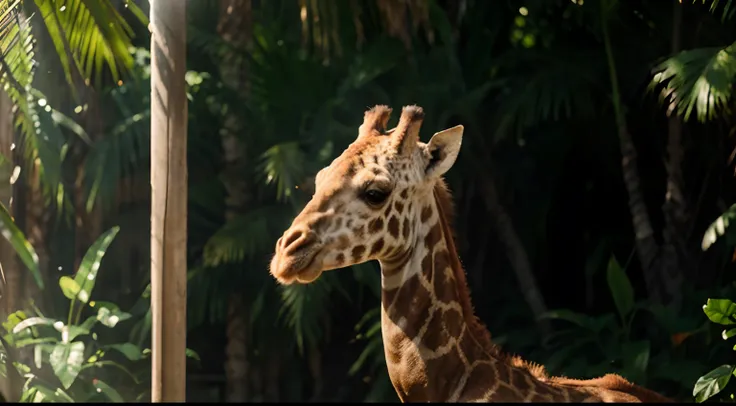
(384, 199)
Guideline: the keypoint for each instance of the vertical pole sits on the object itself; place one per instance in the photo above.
(168, 200)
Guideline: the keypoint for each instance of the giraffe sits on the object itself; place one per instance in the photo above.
(384, 198)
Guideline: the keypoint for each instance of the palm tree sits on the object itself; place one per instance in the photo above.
(86, 38)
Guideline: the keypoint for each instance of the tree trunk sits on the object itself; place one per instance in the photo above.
(646, 245)
(235, 27)
(516, 254)
(674, 254)
(236, 362)
(168, 200)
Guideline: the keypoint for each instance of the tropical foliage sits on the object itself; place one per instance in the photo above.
(592, 192)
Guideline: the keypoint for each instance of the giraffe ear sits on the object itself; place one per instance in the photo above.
(442, 150)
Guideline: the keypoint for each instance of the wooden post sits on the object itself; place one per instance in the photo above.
(168, 200)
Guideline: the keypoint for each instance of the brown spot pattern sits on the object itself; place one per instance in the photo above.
(471, 348)
(377, 247)
(359, 231)
(412, 303)
(478, 381)
(404, 193)
(393, 227)
(425, 214)
(435, 336)
(398, 206)
(453, 322)
(340, 258)
(505, 393)
(376, 225)
(405, 230)
(444, 292)
(358, 252)
(447, 371)
(342, 242)
(433, 237)
(520, 380)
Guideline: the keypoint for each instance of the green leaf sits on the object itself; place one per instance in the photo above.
(43, 394)
(32, 321)
(109, 391)
(109, 314)
(567, 315)
(720, 311)
(69, 287)
(726, 334)
(87, 273)
(35, 341)
(636, 355)
(66, 360)
(13, 320)
(190, 353)
(92, 33)
(70, 332)
(22, 247)
(728, 10)
(719, 227)
(699, 79)
(620, 287)
(131, 351)
(712, 383)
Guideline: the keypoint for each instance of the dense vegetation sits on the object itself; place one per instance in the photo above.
(594, 191)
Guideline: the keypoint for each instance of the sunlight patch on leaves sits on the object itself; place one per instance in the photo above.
(720, 227)
(88, 34)
(699, 80)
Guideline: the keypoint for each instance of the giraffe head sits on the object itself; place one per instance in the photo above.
(363, 206)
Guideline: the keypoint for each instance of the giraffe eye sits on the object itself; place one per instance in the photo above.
(374, 196)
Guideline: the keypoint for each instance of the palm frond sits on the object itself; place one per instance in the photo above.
(565, 86)
(728, 9)
(125, 148)
(304, 306)
(251, 235)
(699, 80)
(283, 165)
(42, 141)
(372, 361)
(722, 227)
(16, 49)
(88, 34)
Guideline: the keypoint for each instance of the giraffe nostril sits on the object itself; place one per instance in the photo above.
(298, 240)
(291, 238)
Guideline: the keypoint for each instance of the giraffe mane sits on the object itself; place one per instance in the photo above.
(478, 330)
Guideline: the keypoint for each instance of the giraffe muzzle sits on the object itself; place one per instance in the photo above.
(297, 257)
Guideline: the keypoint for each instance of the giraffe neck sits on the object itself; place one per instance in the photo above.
(431, 338)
